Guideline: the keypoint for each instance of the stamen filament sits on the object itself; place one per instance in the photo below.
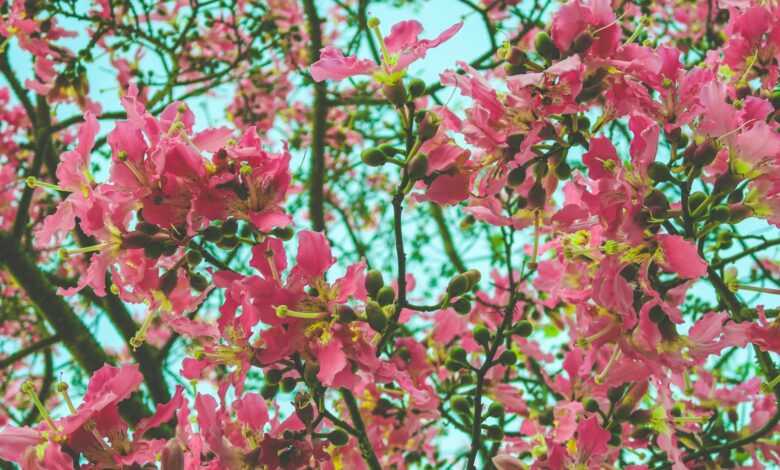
(140, 336)
(34, 182)
(85, 249)
(282, 311)
(763, 290)
(62, 388)
(612, 360)
(29, 389)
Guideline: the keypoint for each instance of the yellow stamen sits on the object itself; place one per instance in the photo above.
(612, 360)
(34, 182)
(140, 336)
(283, 311)
(62, 388)
(29, 389)
(65, 253)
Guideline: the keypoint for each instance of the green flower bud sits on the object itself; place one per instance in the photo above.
(388, 150)
(719, 213)
(282, 233)
(496, 410)
(346, 314)
(658, 172)
(460, 404)
(374, 282)
(516, 176)
(375, 316)
(273, 376)
(481, 335)
(639, 417)
(591, 405)
(269, 391)
(418, 167)
(416, 88)
(582, 42)
(395, 94)
(462, 306)
(695, 200)
(523, 328)
(288, 384)
(494, 433)
(338, 437)
(385, 296)
(563, 170)
(372, 156)
(507, 358)
(212, 233)
(474, 277)
(458, 354)
(453, 366)
(458, 285)
(545, 47)
(193, 257)
(230, 227)
(198, 282)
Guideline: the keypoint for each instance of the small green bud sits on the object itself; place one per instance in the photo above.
(453, 366)
(458, 354)
(269, 391)
(545, 47)
(523, 328)
(388, 150)
(193, 257)
(346, 314)
(458, 286)
(282, 233)
(385, 296)
(230, 227)
(474, 276)
(495, 410)
(416, 88)
(212, 233)
(582, 42)
(462, 306)
(494, 433)
(418, 167)
(563, 170)
(375, 316)
(395, 94)
(372, 156)
(288, 384)
(591, 405)
(274, 376)
(507, 358)
(374, 282)
(460, 404)
(338, 437)
(658, 172)
(481, 335)
(719, 213)
(695, 200)
(198, 282)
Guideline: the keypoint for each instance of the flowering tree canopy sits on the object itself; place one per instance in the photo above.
(375, 234)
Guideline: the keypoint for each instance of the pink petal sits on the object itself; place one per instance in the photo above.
(682, 256)
(334, 66)
(314, 256)
(403, 35)
(332, 360)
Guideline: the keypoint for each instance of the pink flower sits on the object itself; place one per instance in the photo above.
(400, 48)
(601, 158)
(681, 256)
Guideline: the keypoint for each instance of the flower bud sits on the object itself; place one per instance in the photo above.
(591, 405)
(273, 376)
(719, 213)
(582, 42)
(416, 88)
(774, 98)
(269, 391)
(545, 47)
(516, 56)
(658, 172)
(418, 167)
(494, 433)
(345, 314)
(304, 408)
(168, 281)
(523, 328)
(458, 354)
(389, 150)
(704, 154)
(373, 157)
(374, 282)
(481, 335)
(395, 94)
(739, 212)
(288, 384)
(282, 233)
(514, 141)
(639, 417)
(198, 282)
(695, 200)
(194, 257)
(338, 437)
(562, 170)
(474, 276)
(507, 358)
(428, 126)
(462, 306)
(496, 410)
(516, 176)
(725, 183)
(458, 286)
(537, 195)
(385, 296)
(375, 316)
(460, 404)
